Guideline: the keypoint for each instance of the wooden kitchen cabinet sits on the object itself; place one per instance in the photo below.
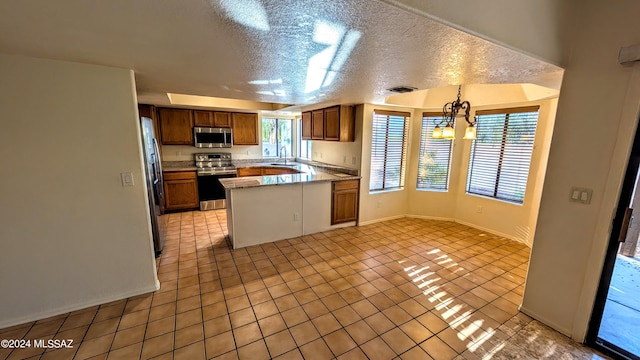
(278, 171)
(216, 119)
(332, 123)
(176, 126)
(339, 123)
(181, 190)
(221, 119)
(344, 204)
(335, 123)
(203, 118)
(317, 124)
(245, 129)
(264, 171)
(249, 171)
(306, 125)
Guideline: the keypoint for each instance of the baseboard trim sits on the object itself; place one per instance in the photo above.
(426, 217)
(77, 306)
(369, 222)
(561, 329)
(497, 233)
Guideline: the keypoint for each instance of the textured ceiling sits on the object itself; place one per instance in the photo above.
(273, 51)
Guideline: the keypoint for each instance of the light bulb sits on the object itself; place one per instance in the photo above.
(437, 133)
(470, 133)
(448, 132)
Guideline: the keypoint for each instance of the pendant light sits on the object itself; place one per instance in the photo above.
(450, 111)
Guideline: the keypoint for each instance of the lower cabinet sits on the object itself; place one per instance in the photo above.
(264, 171)
(181, 190)
(344, 201)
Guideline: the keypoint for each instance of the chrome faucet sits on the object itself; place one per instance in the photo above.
(283, 150)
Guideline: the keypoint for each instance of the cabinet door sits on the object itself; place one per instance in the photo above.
(249, 171)
(347, 123)
(245, 129)
(317, 124)
(176, 126)
(203, 118)
(306, 125)
(222, 119)
(345, 201)
(181, 190)
(332, 123)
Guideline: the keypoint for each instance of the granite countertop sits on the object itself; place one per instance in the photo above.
(308, 174)
(169, 166)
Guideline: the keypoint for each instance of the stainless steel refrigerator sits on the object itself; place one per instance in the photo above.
(155, 183)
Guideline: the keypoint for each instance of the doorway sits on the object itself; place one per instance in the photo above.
(615, 321)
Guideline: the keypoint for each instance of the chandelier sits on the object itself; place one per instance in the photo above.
(450, 111)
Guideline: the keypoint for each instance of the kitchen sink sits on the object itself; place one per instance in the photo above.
(283, 164)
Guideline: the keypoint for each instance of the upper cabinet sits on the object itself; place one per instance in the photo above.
(306, 125)
(217, 119)
(332, 123)
(245, 129)
(317, 124)
(336, 123)
(176, 126)
(221, 119)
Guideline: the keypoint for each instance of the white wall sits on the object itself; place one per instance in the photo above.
(514, 221)
(535, 27)
(510, 220)
(593, 133)
(381, 205)
(71, 235)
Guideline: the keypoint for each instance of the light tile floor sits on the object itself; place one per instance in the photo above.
(406, 289)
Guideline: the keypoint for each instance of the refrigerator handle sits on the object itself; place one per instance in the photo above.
(158, 168)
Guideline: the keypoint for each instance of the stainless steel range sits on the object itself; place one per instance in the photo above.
(210, 168)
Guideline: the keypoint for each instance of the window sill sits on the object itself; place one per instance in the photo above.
(495, 199)
(384, 191)
(433, 190)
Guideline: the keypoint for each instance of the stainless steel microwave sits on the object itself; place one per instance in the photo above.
(208, 137)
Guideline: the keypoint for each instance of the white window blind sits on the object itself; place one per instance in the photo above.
(501, 154)
(435, 156)
(388, 150)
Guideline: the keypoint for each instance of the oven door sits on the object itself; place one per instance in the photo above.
(211, 192)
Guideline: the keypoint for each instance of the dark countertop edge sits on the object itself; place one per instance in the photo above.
(248, 178)
(178, 168)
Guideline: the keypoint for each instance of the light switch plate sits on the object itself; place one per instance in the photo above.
(580, 195)
(127, 179)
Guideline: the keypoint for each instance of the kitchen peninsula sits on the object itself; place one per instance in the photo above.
(262, 209)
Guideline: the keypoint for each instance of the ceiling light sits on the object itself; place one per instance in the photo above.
(450, 111)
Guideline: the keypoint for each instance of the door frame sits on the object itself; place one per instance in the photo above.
(626, 194)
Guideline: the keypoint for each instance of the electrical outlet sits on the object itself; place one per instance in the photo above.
(296, 216)
(354, 160)
(479, 209)
(379, 204)
(178, 153)
(344, 159)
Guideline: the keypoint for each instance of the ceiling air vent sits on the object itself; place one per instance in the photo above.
(402, 89)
